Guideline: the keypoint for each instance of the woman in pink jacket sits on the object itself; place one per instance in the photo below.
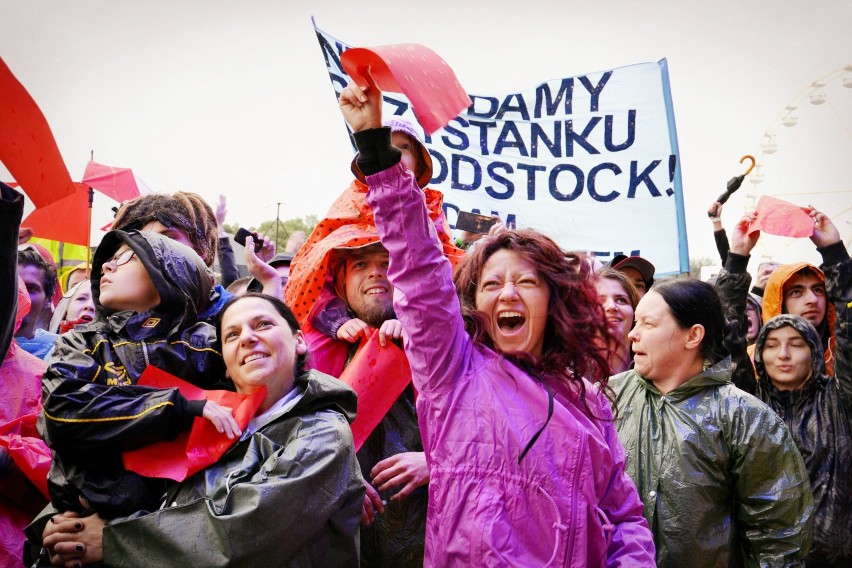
(526, 468)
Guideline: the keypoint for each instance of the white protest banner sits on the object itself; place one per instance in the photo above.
(591, 160)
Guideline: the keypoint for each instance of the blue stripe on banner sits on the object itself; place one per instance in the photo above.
(683, 246)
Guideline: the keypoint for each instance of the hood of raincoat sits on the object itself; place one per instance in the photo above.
(178, 273)
(773, 305)
(349, 224)
(23, 304)
(773, 294)
(805, 329)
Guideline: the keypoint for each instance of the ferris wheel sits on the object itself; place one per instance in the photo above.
(816, 122)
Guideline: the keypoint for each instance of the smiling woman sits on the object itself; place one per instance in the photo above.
(295, 463)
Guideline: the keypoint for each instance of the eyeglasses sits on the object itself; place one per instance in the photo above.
(118, 260)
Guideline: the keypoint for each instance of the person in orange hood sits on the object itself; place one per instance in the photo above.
(799, 289)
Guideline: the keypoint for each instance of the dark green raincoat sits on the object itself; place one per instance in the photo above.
(720, 477)
(288, 495)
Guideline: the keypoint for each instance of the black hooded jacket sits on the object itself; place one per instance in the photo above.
(93, 409)
(819, 415)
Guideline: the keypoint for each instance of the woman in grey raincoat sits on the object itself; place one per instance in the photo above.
(289, 493)
(717, 470)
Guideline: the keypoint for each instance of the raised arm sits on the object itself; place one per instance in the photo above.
(732, 287)
(837, 267)
(424, 296)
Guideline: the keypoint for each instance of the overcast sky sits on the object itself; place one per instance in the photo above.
(232, 97)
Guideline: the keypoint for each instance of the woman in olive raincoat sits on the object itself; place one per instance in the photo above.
(720, 477)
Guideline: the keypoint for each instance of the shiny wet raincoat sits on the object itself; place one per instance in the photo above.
(721, 479)
(568, 502)
(819, 414)
(289, 494)
(93, 409)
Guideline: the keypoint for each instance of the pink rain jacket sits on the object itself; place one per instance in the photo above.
(20, 384)
(568, 502)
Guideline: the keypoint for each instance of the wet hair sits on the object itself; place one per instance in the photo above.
(182, 210)
(31, 257)
(621, 278)
(576, 335)
(694, 302)
(282, 309)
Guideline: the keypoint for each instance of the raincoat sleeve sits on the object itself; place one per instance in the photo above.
(837, 267)
(732, 286)
(11, 210)
(722, 245)
(84, 416)
(772, 492)
(330, 313)
(631, 542)
(424, 296)
(227, 265)
(301, 489)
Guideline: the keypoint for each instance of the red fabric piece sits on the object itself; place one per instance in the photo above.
(65, 220)
(200, 447)
(379, 375)
(778, 217)
(417, 72)
(118, 183)
(27, 147)
(23, 490)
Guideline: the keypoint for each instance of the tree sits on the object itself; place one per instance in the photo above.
(287, 228)
(695, 265)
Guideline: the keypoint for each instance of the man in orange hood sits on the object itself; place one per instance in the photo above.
(799, 289)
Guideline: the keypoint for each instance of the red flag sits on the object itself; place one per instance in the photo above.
(65, 220)
(203, 445)
(27, 147)
(778, 217)
(415, 71)
(119, 183)
(379, 375)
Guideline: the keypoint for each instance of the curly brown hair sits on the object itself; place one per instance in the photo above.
(185, 210)
(576, 335)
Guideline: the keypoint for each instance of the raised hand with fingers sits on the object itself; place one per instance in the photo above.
(825, 233)
(742, 242)
(265, 274)
(362, 106)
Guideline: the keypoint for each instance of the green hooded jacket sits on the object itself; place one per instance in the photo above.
(289, 494)
(720, 477)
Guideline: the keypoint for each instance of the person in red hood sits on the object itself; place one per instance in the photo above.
(20, 381)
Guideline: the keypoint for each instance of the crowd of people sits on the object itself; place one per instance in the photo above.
(532, 408)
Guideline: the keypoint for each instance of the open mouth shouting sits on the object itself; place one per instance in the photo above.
(510, 321)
